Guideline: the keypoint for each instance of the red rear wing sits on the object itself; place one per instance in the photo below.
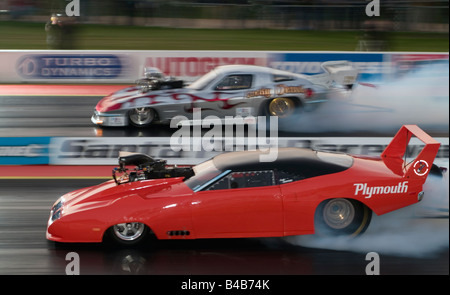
(395, 152)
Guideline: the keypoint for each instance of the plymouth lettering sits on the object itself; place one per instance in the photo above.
(368, 191)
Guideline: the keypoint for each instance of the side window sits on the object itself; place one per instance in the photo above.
(223, 183)
(245, 179)
(281, 78)
(235, 82)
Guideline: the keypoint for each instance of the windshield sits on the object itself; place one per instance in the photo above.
(204, 172)
(203, 81)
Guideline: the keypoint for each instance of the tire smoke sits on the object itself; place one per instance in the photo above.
(420, 97)
(420, 230)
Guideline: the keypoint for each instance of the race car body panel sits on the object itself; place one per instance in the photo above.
(237, 195)
(233, 90)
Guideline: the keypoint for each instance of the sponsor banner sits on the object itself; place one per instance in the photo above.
(402, 64)
(24, 150)
(105, 151)
(189, 66)
(67, 66)
(126, 66)
(72, 66)
(370, 66)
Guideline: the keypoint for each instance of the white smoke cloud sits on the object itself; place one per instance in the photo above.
(420, 97)
(420, 230)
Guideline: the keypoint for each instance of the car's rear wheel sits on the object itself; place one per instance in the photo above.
(129, 233)
(282, 107)
(342, 217)
(141, 117)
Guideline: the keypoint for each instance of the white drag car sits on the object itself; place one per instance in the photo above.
(231, 90)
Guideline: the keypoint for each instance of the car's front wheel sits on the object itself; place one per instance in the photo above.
(129, 233)
(342, 217)
(141, 117)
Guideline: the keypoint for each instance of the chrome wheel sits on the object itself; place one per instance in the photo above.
(281, 107)
(141, 116)
(130, 231)
(338, 213)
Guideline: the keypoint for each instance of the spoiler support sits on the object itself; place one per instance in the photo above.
(396, 150)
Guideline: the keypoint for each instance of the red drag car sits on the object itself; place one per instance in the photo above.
(236, 195)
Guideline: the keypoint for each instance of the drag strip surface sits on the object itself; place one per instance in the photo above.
(46, 111)
(414, 246)
(65, 110)
(59, 115)
(70, 115)
(24, 211)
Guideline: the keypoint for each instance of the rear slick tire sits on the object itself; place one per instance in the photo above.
(282, 107)
(342, 217)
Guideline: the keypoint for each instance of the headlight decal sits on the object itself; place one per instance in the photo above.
(57, 209)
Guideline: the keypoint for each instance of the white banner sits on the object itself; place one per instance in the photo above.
(105, 151)
(115, 67)
(126, 66)
(68, 66)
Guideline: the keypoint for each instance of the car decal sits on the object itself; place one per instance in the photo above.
(367, 191)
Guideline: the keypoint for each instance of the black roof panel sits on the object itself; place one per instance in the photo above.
(300, 161)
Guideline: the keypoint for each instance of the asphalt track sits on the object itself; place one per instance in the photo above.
(49, 110)
(25, 205)
(24, 211)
